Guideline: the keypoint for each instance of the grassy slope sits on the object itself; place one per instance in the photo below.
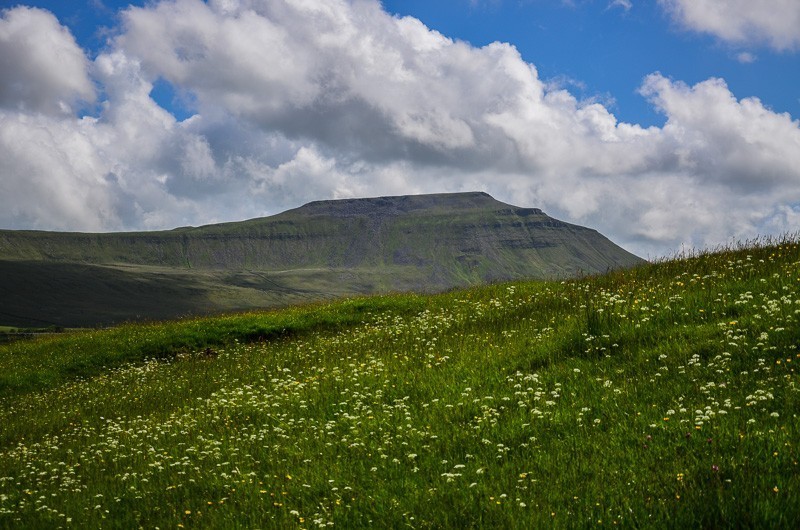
(665, 395)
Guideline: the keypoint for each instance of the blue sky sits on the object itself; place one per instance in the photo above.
(661, 123)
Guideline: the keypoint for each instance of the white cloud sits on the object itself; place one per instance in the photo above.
(43, 69)
(774, 22)
(739, 143)
(49, 169)
(624, 4)
(746, 57)
(732, 164)
(305, 100)
(51, 174)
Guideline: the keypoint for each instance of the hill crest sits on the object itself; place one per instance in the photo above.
(402, 204)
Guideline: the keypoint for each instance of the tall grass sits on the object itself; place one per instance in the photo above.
(664, 395)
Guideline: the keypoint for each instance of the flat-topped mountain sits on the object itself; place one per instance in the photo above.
(319, 250)
(405, 204)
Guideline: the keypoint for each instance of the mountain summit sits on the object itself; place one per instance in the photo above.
(319, 250)
(403, 204)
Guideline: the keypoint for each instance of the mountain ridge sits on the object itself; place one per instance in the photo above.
(403, 203)
(319, 250)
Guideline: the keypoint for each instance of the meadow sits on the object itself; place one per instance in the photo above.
(661, 396)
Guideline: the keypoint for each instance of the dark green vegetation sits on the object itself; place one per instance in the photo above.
(322, 250)
(661, 396)
(11, 334)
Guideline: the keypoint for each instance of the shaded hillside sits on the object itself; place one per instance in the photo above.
(322, 249)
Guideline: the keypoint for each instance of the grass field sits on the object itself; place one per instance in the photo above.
(662, 396)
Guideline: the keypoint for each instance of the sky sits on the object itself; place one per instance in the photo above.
(663, 124)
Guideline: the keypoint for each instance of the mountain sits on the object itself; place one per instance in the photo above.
(320, 250)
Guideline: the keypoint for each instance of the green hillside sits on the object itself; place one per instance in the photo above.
(664, 396)
(319, 251)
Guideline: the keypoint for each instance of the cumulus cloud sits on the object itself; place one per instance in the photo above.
(741, 144)
(729, 165)
(345, 75)
(51, 173)
(49, 167)
(356, 80)
(774, 22)
(43, 68)
(298, 101)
